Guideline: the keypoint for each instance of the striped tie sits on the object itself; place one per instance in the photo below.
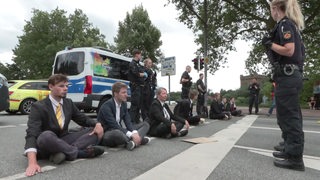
(59, 115)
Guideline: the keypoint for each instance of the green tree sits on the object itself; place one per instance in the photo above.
(45, 34)
(229, 20)
(137, 32)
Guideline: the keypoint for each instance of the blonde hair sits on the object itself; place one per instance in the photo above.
(292, 10)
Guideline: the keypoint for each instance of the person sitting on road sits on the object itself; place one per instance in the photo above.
(163, 123)
(312, 103)
(225, 107)
(184, 109)
(233, 108)
(116, 121)
(48, 133)
(215, 109)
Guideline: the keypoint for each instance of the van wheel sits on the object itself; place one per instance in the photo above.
(25, 106)
(100, 104)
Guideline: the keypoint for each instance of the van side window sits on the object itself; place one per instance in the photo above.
(110, 67)
(69, 63)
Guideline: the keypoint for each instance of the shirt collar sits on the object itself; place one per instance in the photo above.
(118, 105)
(54, 102)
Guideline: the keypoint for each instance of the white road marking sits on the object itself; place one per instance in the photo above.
(309, 161)
(9, 126)
(200, 160)
(22, 175)
(278, 129)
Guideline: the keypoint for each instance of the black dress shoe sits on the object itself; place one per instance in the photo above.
(279, 148)
(280, 154)
(91, 152)
(290, 164)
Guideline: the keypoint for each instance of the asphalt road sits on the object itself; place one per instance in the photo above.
(240, 148)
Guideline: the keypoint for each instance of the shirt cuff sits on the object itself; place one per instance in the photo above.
(29, 150)
(129, 133)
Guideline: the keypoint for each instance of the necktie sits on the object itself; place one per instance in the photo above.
(166, 114)
(59, 115)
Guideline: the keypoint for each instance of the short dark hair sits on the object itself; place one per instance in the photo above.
(57, 78)
(136, 51)
(201, 74)
(117, 86)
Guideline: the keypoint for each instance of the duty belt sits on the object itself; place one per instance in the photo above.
(288, 69)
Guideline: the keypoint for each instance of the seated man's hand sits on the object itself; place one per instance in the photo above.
(186, 123)
(173, 129)
(136, 138)
(33, 169)
(98, 130)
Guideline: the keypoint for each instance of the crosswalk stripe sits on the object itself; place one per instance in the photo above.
(200, 160)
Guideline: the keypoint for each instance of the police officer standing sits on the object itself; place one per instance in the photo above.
(186, 83)
(148, 90)
(286, 45)
(136, 77)
(201, 92)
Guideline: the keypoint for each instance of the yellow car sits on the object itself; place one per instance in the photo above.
(23, 93)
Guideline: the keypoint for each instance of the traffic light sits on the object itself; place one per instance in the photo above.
(201, 64)
(195, 61)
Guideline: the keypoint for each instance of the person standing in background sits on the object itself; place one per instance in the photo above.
(254, 90)
(186, 83)
(201, 92)
(136, 77)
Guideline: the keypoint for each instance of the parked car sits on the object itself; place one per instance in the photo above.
(4, 93)
(23, 93)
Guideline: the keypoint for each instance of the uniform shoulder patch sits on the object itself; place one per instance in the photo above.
(287, 35)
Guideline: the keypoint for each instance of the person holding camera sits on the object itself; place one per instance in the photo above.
(186, 83)
(285, 42)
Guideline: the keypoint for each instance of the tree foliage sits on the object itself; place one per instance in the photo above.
(137, 32)
(45, 34)
(231, 20)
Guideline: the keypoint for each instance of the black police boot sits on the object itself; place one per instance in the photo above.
(279, 148)
(292, 163)
(280, 154)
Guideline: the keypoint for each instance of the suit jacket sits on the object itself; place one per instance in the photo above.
(107, 117)
(157, 115)
(42, 118)
(215, 108)
(184, 108)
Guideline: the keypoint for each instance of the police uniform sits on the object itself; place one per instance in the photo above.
(254, 90)
(200, 99)
(148, 93)
(288, 77)
(136, 87)
(185, 85)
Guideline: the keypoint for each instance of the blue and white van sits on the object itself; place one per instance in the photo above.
(91, 71)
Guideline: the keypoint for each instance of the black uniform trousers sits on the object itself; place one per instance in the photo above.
(136, 102)
(185, 92)
(289, 114)
(254, 99)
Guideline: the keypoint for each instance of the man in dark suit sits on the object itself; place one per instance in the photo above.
(215, 109)
(117, 124)
(47, 131)
(161, 124)
(184, 109)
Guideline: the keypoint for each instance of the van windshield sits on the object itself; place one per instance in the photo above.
(69, 63)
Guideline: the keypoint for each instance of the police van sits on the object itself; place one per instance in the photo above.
(4, 93)
(91, 72)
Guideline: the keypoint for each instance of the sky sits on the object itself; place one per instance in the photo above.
(177, 39)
